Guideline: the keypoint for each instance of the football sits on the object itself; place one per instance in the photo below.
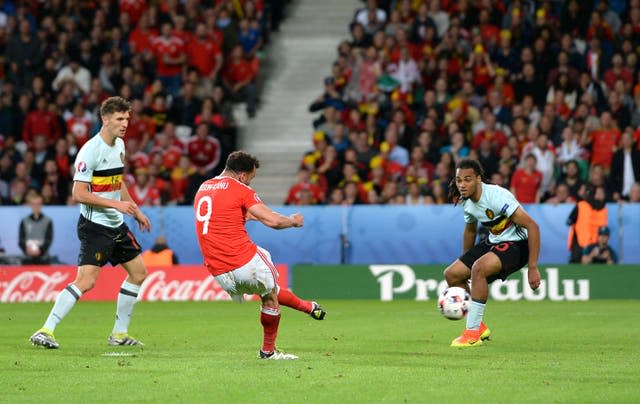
(454, 303)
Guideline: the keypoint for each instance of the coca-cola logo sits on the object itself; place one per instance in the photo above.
(157, 288)
(32, 286)
(176, 283)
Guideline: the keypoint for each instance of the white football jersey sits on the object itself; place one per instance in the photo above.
(494, 210)
(102, 166)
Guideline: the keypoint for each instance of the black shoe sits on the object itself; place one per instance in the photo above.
(317, 313)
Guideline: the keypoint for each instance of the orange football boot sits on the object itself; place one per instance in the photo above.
(468, 339)
(485, 332)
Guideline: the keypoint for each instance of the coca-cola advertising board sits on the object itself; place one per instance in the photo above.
(22, 284)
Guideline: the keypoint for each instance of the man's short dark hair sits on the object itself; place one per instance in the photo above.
(242, 162)
(114, 104)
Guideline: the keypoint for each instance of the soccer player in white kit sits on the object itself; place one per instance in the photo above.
(104, 237)
(513, 242)
(222, 206)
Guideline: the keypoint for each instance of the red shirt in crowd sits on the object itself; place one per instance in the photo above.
(204, 152)
(170, 156)
(525, 185)
(140, 40)
(139, 159)
(221, 206)
(147, 196)
(293, 198)
(497, 139)
(238, 71)
(203, 55)
(134, 8)
(603, 142)
(139, 126)
(80, 128)
(41, 123)
(172, 47)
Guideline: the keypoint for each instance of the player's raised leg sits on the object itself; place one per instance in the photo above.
(287, 298)
(85, 280)
(127, 299)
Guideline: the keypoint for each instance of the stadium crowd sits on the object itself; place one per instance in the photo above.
(181, 64)
(545, 94)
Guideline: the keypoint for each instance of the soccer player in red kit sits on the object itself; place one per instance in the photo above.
(222, 206)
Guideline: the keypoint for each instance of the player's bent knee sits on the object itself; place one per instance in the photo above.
(456, 275)
(85, 285)
(138, 277)
(478, 270)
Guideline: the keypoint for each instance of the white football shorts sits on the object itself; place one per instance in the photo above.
(258, 276)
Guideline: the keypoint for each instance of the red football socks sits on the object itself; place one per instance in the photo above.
(270, 318)
(287, 298)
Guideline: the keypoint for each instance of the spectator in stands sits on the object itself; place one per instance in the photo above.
(41, 121)
(561, 195)
(23, 55)
(143, 192)
(526, 181)
(36, 234)
(330, 97)
(625, 167)
(159, 255)
(250, 37)
(170, 55)
(79, 125)
(600, 252)
(570, 148)
(545, 162)
(603, 140)
(585, 219)
(238, 78)
(186, 106)
(204, 149)
(352, 194)
(571, 176)
(393, 151)
(304, 190)
(75, 74)
(205, 55)
(59, 186)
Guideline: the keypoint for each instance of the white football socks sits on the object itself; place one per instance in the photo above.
(127, 299)
(63, 305)
(474, 318)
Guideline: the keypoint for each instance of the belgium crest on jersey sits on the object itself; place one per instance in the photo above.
(489, 213)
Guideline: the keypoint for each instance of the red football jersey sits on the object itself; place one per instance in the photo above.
(221, 206)
(172, 47)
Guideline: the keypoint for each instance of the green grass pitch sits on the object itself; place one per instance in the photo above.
(364, 351)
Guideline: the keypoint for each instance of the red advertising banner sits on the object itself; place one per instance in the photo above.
(22, 284)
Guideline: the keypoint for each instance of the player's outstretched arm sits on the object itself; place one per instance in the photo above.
(522, 218)
(275, 220)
